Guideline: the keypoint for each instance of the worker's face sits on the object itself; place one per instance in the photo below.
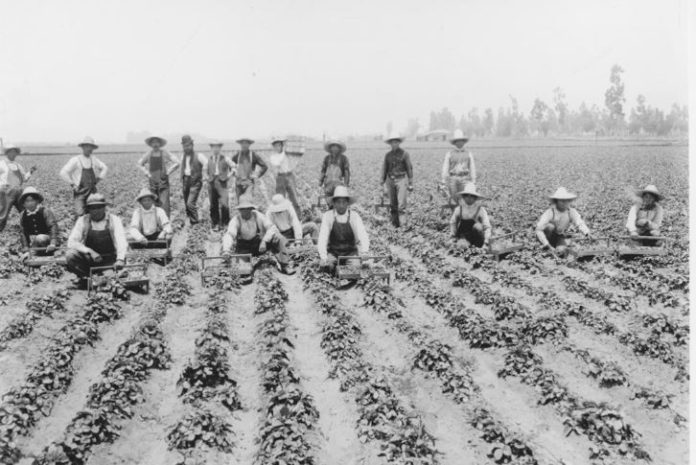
(340, 205)
(245, 213)
(97, 213)
(30, 203)
(459, 143)
(87, 150)
(155, 144)
(648, 199)
(469, 199)
(216, 149)
(11, 154)
(188, 147)
(245, 144)
(335, 149)
(278, 146)
(147, 202)
(563, 205)
(395, 143)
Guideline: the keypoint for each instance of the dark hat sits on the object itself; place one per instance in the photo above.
(186, 139)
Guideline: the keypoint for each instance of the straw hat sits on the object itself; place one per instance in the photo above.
(245, 204)
(88, 141)
(278, 139)
(331, 142)
(215, 142)
(145, 192)
(342, 192)
(95, 200)
(242, 139)
(470, 189)
(161, 140)
(30, 191)
(394, 136)
(651, 189)
(458, 135)
(10, 147)
(279, 204)
(562, 194)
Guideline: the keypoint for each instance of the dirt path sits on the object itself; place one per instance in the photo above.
(337, 416)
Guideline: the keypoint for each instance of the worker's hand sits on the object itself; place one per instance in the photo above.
(24, 256)
(641, 223)
(118, 265)
(163, 236)
(385, 189)
(51, 248)
(143, 241)
(486, 244)
(32, 169)
(262, 247)
(410, 187)
(323, 264)
(634, 233)
(95, 256)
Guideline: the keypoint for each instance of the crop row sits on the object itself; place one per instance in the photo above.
(37, 308)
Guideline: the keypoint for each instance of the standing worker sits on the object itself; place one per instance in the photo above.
(220, 169)
(247, 160)
(335, 171)
(193, 171)
(283, 164)
(458, 168)
(83, 172)
(12, 176)
(158, 164)
(397, 179)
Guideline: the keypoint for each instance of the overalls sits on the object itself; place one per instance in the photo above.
(342, 239)
(333, 178)
(558, 235)
(250, 245)
(459, 172)
(88, 185)
(159, 181)
(465, 229)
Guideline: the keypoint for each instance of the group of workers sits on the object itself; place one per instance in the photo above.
(99, 238)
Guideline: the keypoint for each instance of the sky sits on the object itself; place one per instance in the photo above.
(226, 68)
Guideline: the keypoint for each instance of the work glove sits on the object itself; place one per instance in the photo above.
(51, 248)
(262, 247)
(118, 265)
(95, 256)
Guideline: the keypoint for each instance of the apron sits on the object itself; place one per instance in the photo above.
(465, 229)
(334, 176)
(88, 180)
(101, 242)
(342, 239)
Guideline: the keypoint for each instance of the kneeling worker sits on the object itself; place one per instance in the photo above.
(39, 226)
(342, 232)
(282, 214)
(645, 218)
(469, 222)
(97, 239)
(554, 223)
(149, 222)
(250, 232)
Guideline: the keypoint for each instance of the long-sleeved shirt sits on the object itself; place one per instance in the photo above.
(214, 164)
(202, 159)
(27, 224)
(561, 220)
(146, 222)
(283, 162)
(335, 168)
(285, 220)
(169, 162)
(6, 166)
(471, 212)
(459, 162)
(327, 221)
(248, 229)
(654, 216)
(247, 163)
(117, 232)
(397, 163)
(72, 171)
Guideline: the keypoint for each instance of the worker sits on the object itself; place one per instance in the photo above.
(250, 232)
(335, 170)
(282, 214)
(220, 169)
(397, 179)
(83, 172)
(342, 232)
(193, 174)
(12, 176)
(148, 222)
(554, 223)
(283, 164)
(97, 239)
(39, 226)
(645, 217)
(158, 164)
(469, 223)
(247, 160)
(458, 167)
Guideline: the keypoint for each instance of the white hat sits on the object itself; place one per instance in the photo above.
(394, 136)
(279, 204)
(330, 142)
(562, 194)
(242, 139)
(342, 192)
(458, 135)
(651, 189)
(145, 192)
(12, 147)
(88, 141)
(215, 142)
(470, 189)
(278, 139)
(161, 140)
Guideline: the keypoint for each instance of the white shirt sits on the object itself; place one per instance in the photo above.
(221, 156)
(654, 216)
(282, 162)
(471, 168)
(258, 223)
(6, 166)
(72, 171)
(356, 223)
(150, 218)
(119, 235)
(286, 219)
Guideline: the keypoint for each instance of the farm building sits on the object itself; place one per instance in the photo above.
(434, 135)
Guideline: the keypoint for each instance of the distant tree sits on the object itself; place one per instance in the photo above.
(678, 119)
(586, 120)
(614, 100)
(519, 122)
(537, 116)
(412, 127)
(488, 122)
(561, 107)
(637, 121)
(504, 123)
(434, 121)
(447, 120)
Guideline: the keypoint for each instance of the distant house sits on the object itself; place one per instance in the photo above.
(434, 135)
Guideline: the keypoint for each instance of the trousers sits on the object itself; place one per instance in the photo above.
(219, 202)
(9, 197)
(192, 188)
(286, 184)
(398, 197)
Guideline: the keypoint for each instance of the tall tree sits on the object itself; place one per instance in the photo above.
(614, 100)
(412, 127)
(560, 105)
(488, 122)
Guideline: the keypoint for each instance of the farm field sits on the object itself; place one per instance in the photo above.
(461, 359)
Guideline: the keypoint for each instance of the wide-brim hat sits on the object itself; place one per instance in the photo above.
(95, 200)
(214, 143)
(651, 189)
(562, 194)
(470, 189)
(279, 204)
(278, 139)
(329, 143)
(394, 136)
(161, 140)
(145, 192)
(10, 147)
(30, 191)
(88, 141)
(458, 135)
(245, 204)
(342, 192)
(242, 139)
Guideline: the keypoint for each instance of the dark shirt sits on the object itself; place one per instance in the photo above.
(247, 165)
(42, 222)
(397, 163)
(341, 161)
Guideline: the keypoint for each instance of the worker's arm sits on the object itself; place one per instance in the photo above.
(26, 175)
(322, 174)
(656, 223)
(164, 222)
(361, 233)
(173, 160)
(385, 169)
(121, 243)
(486, 223)
(67, 170)
(134, 231)
(409, 168)
(24, 239)
(53, 228)
(472, 167)
(541, 224)
(324, 230)
(103, 169)
(230, 236)
(257, 160)
(144, 163)
(578, 221)
(631, 221)
(271, 229)
(445, 167)
(453, 222)
(203, 160)
(296, 225)
(232, 165)
(346, 170)
(75, 238)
